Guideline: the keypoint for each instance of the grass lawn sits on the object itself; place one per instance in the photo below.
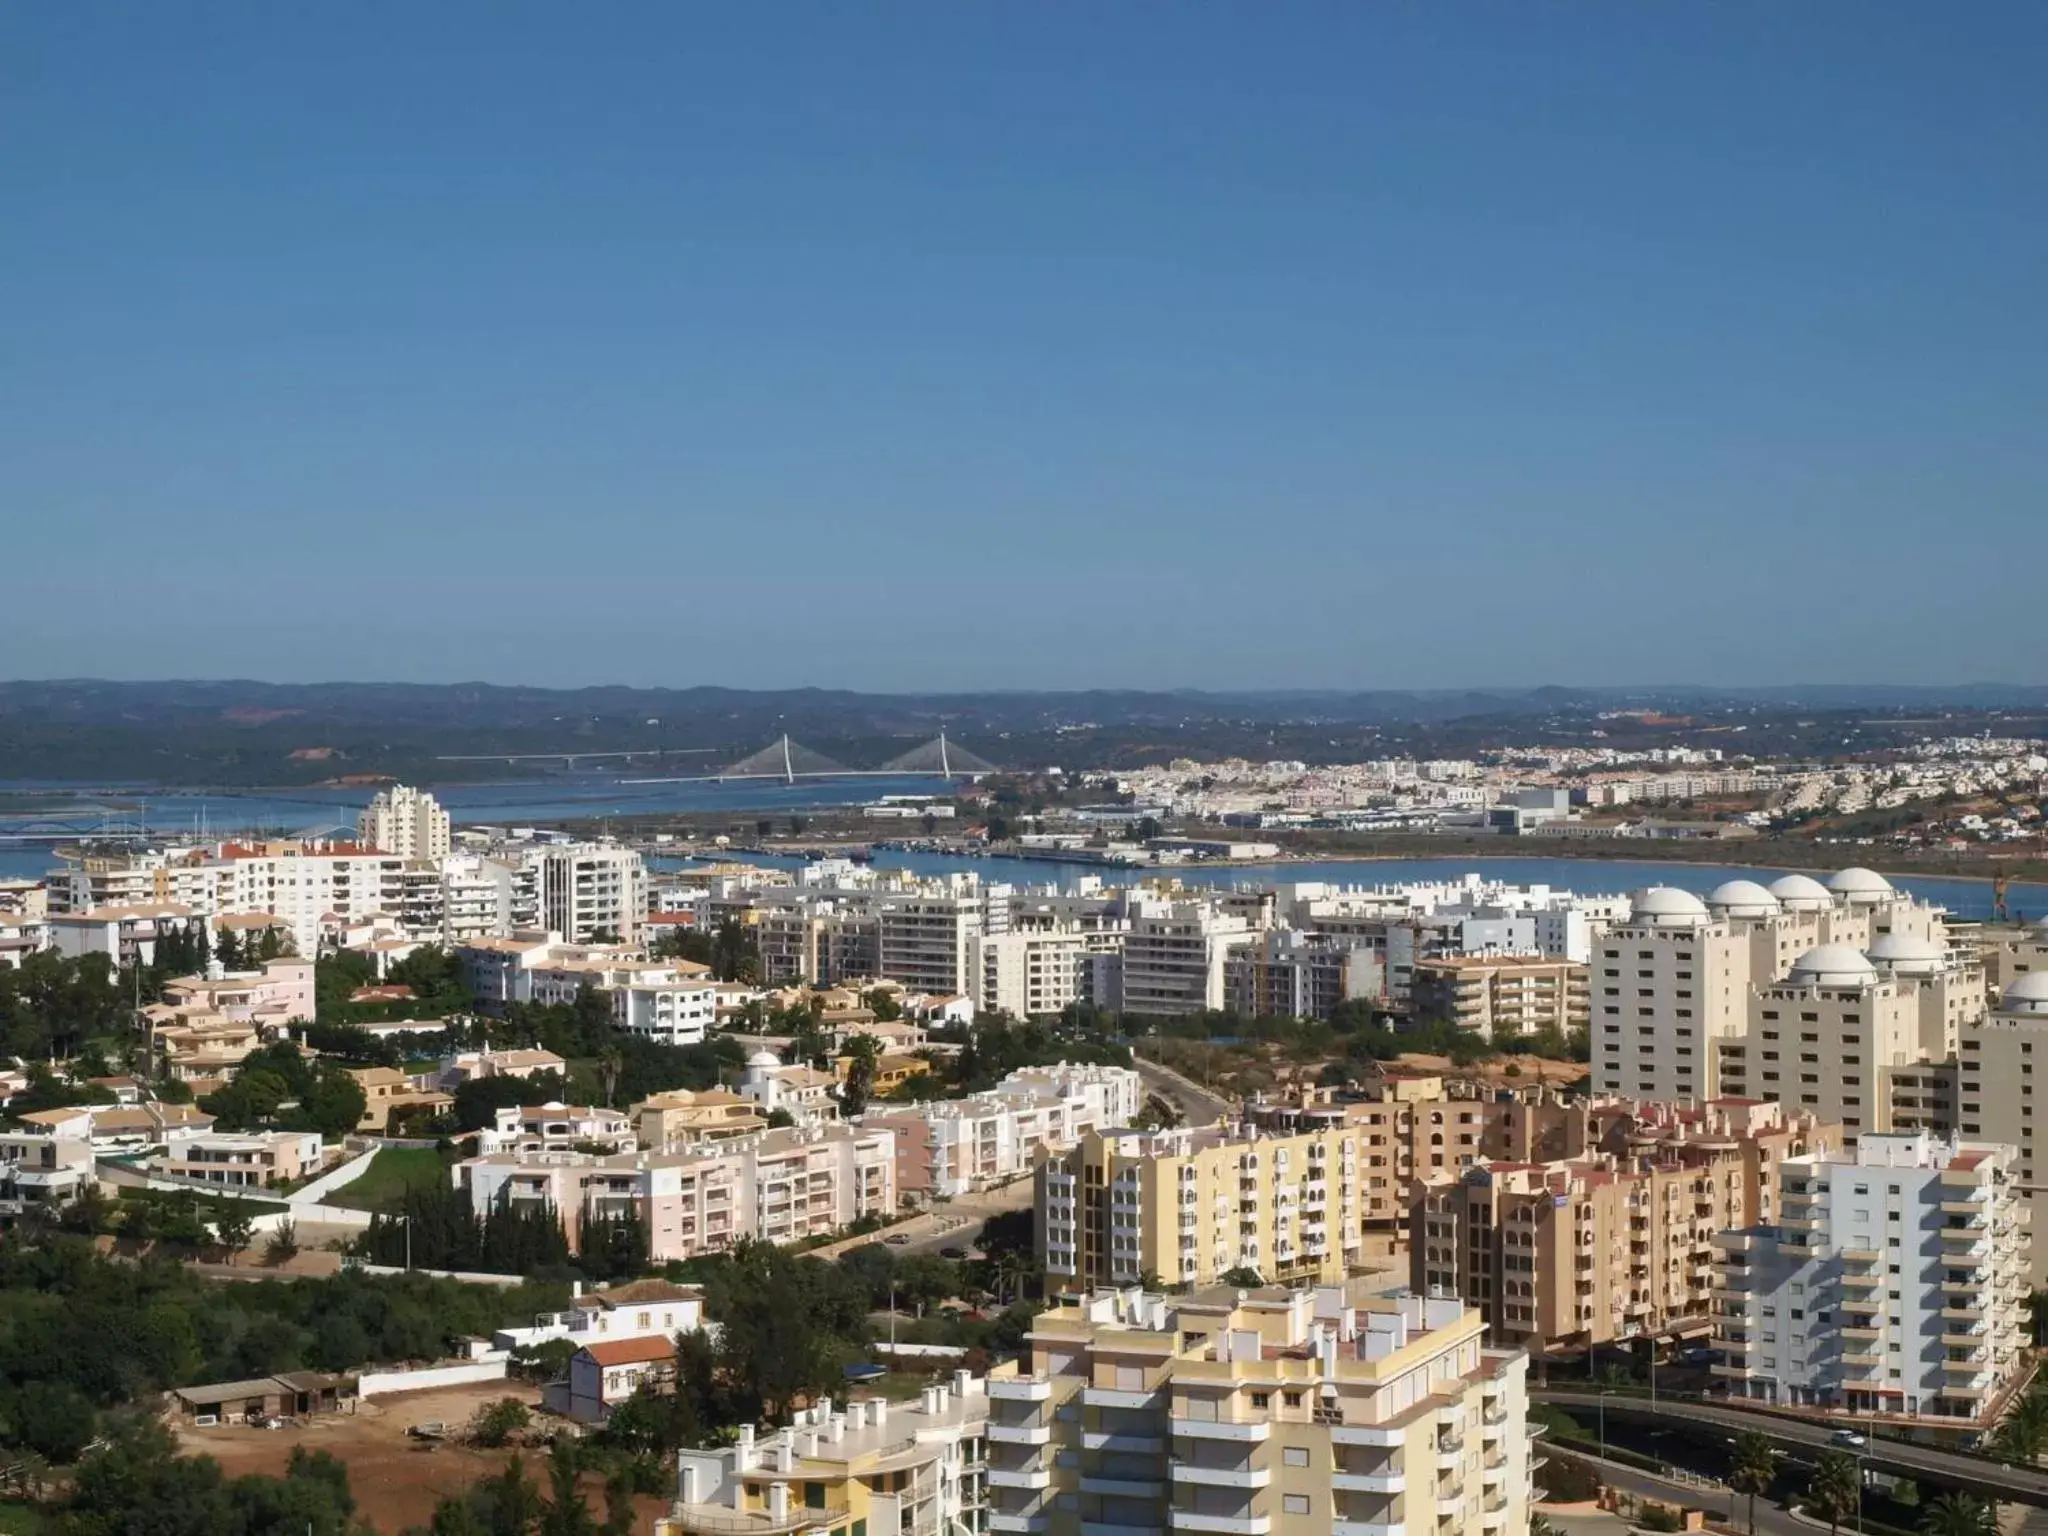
(392, 1173)
(23, 1520)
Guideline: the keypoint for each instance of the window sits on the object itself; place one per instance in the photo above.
(1261, 1399)
(1292, 1399)
(1294, 1455)
(814, 1495)
(1294, 1503)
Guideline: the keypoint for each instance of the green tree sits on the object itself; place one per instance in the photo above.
(863, 1052)
(498, 1422)
(1752, 1468)
(1836, 1488)
(234, 1226)
(283, 1246)
(1958, 1514)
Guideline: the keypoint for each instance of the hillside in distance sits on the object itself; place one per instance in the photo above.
(245, 733)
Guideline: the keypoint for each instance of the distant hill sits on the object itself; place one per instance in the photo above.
(240, 732)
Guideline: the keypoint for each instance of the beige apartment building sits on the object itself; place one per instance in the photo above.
(1240, 1413)
(2002, 1071)
(1614, 1246)
(1668, 986)
(1496, 996)
(1188, 1206)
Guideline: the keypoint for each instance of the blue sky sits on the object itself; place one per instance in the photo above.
(1011, 345)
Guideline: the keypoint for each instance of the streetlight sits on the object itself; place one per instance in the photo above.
(1606, 1393)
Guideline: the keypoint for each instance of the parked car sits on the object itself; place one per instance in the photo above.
(1850, 1437)
(896, 1238)
(952, 1253)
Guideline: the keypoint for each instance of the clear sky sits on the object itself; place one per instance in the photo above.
(1007, 344)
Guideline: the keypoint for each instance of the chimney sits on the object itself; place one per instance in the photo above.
(744, 1460)
(785, 1454)
(687, 1473)
(960, 1380)
(835, 1428)
(778, 1502)
(878, 1411)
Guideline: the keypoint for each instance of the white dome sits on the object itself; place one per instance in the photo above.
(1742, 898)
(2025, 993)
(1662, 904)
(1860, 886)
(1833, 965)
(764, 1058)
(1905, 955)
(1801, 893)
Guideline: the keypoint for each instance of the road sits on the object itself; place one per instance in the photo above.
(952, 1225)
(1197, 1105)
(1987, 1479)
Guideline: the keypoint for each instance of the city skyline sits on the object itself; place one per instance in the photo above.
(923, 349)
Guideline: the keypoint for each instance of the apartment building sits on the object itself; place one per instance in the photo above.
(404, 821)
(1245, 1412)
(388, 1091)
(1614, 1245)
(1893, 1282)
(589, 893)
(2003, 1056)
(1041, 972)
(674, 1002)
(1191, 1205)
(1501, 996)
(1175, 953)
(1286, 973)
(24, 920)
(925, 939)
(2008, 952)
(256, 1160)
(914, 1468)
(1671, 983)
(957, 1146)
(781, 1186)
(278, 992)
(1836, 1031)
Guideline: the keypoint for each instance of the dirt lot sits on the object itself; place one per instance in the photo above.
(396, 1484)
(1530, 1070)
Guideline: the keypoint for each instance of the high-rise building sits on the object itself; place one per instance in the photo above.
(1175, 953)
(1239, 1413)
(1893, 1281)
(586, 892)
(1668, 985)
(1614, 1245)
(406, 821)
(1190, 1206)
(1495, 996)
(2002, 1071)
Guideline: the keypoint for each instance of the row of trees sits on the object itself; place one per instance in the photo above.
(82, 1335)
(433, 975)
(278, 1086)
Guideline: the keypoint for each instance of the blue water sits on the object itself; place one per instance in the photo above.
(1964, 898)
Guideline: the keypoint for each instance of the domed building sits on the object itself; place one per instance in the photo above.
(1667, 906)
(1801, 893)
(1861, 887)
(1742, 898)
(1832, 965)
(1663, 985)
(1901, 954)
(2026, 994)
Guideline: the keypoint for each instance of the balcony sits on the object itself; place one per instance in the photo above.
(1021, 1389)
(1223, 1525)
(1223, 1477)
(1365, 1528)
(1104, 1528)
(1003, 1477)
(1020, 1434)
(1385, 1480)
(1122, 1487)
(1021, 1525)
(1225, 1429)
(1118, 1397)
(1130, 1445)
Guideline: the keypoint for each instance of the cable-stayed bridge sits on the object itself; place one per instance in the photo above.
(790, 760)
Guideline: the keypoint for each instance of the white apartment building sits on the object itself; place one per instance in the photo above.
(587, 892)
(639, 1309)
(1041, 972)
(24, 920)
(555, 1127)
(926, 940)
(1893, 1283)
(405, 821)
(1175, 954)
(779, 1186)
(673, 1002)
(1286, 973)
(957, 1146)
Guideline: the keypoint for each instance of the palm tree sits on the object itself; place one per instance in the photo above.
(610, 1063)
(1538, 1526)
(1836, 1489)
(2019, 1437)
(1753, 1468)
(1957, 1514)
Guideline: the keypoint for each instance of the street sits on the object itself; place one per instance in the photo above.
(1197, 1105)
(1974, 1474)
